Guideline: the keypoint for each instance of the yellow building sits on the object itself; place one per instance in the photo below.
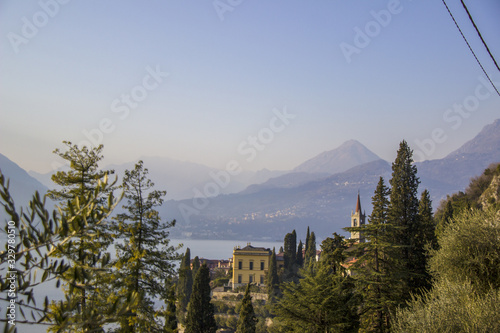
(250, 265)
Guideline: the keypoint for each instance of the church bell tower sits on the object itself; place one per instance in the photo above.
(357, 220)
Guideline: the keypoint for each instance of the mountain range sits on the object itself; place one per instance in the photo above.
(265, 205)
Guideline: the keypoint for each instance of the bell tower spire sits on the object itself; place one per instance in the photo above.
(358, 220)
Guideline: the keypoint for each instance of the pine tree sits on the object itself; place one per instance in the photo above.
(373, 266)
(404, 221)
(200, 314)
(145, 258)
(324, 300)
(90, 263)
(185, 284)
(425, 239)
(40, 229)
(247, 320)
(445, 218)
(333, 250)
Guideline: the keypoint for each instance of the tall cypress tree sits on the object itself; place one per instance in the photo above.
(290, 247)
(185, 284)
(311, 249)
(300, 257)
(171, 313)
(196, 265)
(272, 279)
(200, 314)
(308, 236)
(247, 320)
(404, 221)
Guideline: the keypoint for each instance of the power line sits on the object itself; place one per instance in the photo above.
(480, 36)
(470, 48)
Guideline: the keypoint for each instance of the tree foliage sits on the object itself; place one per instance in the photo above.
(405, 225)
(247, 320)
(324, 299)
(145, 261)
(184, 284)
(90, 263)
(200, 313)
(40, 234)
(466, 268)
(170, 314)
(310, 254)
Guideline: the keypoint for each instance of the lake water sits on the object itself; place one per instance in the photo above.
(208, 249)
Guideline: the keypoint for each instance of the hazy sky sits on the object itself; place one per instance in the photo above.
(267, 83)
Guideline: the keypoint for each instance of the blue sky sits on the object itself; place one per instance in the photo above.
(197, 80)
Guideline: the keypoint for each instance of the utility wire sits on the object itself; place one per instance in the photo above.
(480, 36)
(470, 48)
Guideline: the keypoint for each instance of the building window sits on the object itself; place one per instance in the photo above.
(250, 279)
(262, 279)
(262, 264)
(251, 265)
(239, 278)
(240, 264)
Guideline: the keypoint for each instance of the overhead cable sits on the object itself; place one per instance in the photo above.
(470, 48)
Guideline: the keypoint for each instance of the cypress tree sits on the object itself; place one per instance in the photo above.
(170, 313)
(300, 258)
(196, 265)
(247, 320)
(272, 279)
(311, 249)
(308, 236)
(200, 314)
(185, 284)
(290, 254)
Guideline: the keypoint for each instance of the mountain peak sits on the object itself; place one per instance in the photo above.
(349, 154)
(487, 142)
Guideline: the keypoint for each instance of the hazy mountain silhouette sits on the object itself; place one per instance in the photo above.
(350, 154)
(300, 199)
(310, 195)
(22, 185)
(456, 169)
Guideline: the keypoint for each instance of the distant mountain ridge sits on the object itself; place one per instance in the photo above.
(22, 186)
(301, 199)
(180, 178)
(284, 201)
(324, 204)
(469, 160)
(350, 154)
